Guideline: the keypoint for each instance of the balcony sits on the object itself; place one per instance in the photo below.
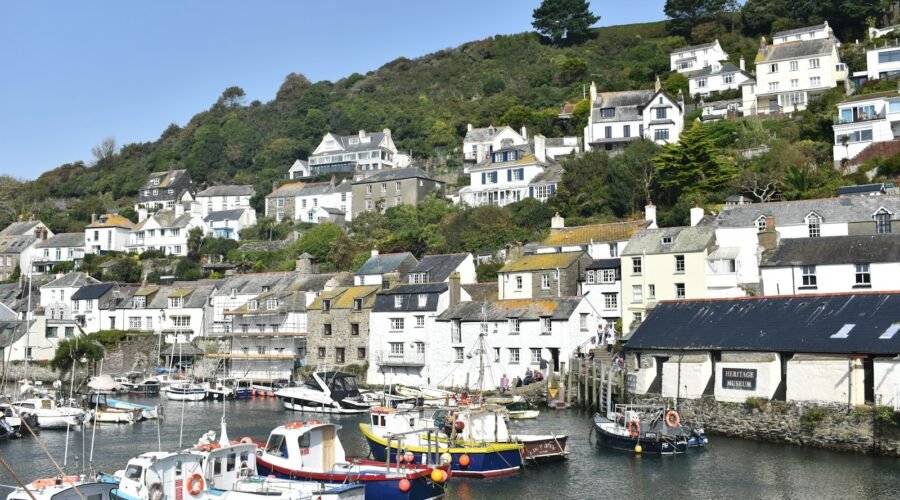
(414, 359)
(721, 280)
(857, 117)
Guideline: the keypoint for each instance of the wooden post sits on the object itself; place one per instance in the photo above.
(567, 397)
(594, 396)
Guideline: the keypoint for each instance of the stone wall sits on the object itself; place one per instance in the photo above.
(136, 353)
(825, 425)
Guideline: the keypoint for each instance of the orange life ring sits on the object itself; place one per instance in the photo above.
(673, 419)
(634, 428)
(195, 484)
(313, 422)
(293, 425)
(246, 440)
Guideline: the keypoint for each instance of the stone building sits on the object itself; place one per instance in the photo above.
(543, 275)
(391, 188)
(338, 326)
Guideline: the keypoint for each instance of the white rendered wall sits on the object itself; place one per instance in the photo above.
(768, 377)
(696, 370)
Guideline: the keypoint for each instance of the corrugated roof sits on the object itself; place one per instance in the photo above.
(802, 324)
(595, 233)
(541, 261)
(869, 248)
(683, 239)
(108, 220)
(523, 309)
(62, 240)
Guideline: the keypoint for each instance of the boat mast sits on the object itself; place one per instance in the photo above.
(481, 331)
(27, 325)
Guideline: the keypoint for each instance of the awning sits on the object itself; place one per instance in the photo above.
(724, 253)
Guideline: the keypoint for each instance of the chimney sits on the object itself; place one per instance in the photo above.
(658, 84)
(374, 252)
(524, 132)
(386, 132)
(142, 214)
(331, 284)
(743, 64)
(557, 223)
(179, 209)
(593, 93)
(767, 238)
(333, 179)
(469, 127)
(650, 215)
(274, 186)
(762, 44)
(303, 264)
(362, 134)
(696, 215)
(540, 147)
(93, 218)
(454, 288)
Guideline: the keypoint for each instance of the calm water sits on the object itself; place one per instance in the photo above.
(728, 469)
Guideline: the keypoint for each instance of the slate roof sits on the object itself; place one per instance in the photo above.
(628, 104)
(796, 31)
(108, 220)
(542, 261)
(552, 174)
(342, 297)
(865, 188)
(485, 134)
(387, 263)
(594, 233)
(288, 301)
(696, 47)
(92, 292)
(73, 279)
(797, 49)
(287, 190)
(166, 220)
(396, 174)
(15, 244)
(62, 240)
(12, 331)
(868, 97)
(177, 180)
(344, 140)
(252, 284)
(385, 300)
(480, 292)
(229, 190)
(223, 215)
(20, 228)
(406, 289)
(804, 324)
(196, 296)
(332, 211)
(724, 69)
(525, 158)
(439, 267)
(558, 142)
(685, 239)
(847, 209)
(500, 310)
(606, 264)
(836, 250)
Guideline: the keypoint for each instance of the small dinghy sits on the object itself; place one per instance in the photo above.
(647, 429)
(186, 391)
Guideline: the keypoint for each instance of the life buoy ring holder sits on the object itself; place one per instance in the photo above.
(195, 484)
(634, 428)
(673, 419)
(155, 492)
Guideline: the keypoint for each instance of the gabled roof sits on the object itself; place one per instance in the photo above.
(559, 308)
(348, 145)
(439, 267)
(195, 296)
(723, 69)
(229, 190)
(167, 179)
(16, 244)
(480, 292)
(869, 248)
(486, 134)
(387, 263)
(684, 239)
(816, 324)
(72, 280)
(594, 233)
(223, 215)
(796, 49)
(796, 31)
(20, 228)
(846, 209)
(92, 292)
(696, 47)
(526, 158)
(552, 174)
(166, 220)
(62, 240)
(342, 297)
(108, 220)
(396, 174)
(287, 190)
(541, 261)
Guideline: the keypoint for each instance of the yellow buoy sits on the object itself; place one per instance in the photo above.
(638, 449)
(437, 475)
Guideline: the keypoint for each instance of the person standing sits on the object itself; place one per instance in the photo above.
(504, 383)
(610, 340)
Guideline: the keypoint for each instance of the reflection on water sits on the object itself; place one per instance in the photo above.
(729, 468)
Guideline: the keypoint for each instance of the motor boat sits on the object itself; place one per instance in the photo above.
(325, 392)
(186, 391)
(49, 414)
(144, 387)
(148, 412)
(66, 488)
(647, 429)
(219, 391)
(15, 418)
(104, 412)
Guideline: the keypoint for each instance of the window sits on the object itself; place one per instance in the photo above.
(458, 355)
(326, 329)
(610, 301)
(614, 250)
(483, 328)
(139, 302)
(809, 276)
(420, 347)
(773, 68)
(794, 65)
(679, 290)
(322, 352)
(149, 322)
(637, 317)
(518, 282)
(514, 327)
(517, 174)
(607, 132)
(396, 348)
(661, 134)
(863, 278)
(815, 81)
(607, 112)
(455, 332)
(635, 265)
(795, 83)
(679, 263)
(773, 86)
(546, 325)
(862, 135)
(496, 355)
(397, 186)
(354, 329)
(545, 282)
(535, 355)
(422, 300)
(626, 131)
(253, 305)
(420, 321)
(608, 276)
(728, 79)
(176, 302)
(134, 323)
(651, 291)
(357, 304)
(661, 113)
(583, 322)
(182, 321)
(637, 293)
(70, 330)
(369, 189)
(396, 323)
(51, 332)
(416, 278)
(814, 223)
(882, 222)
(889, 56)
(260, 349)
(384, 187)
(814, 63)
(589, 277)
(701, 83)
(514, 356)
(398, 301)
(339, 355)
(76, 304)
(360, 354)
(397, 201)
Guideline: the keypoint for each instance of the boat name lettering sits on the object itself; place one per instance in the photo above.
(741, 379)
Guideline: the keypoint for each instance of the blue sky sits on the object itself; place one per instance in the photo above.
(72, 73)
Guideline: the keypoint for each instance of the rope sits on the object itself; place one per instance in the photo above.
(13, 474)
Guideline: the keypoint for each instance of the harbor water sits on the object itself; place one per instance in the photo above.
(729, 468)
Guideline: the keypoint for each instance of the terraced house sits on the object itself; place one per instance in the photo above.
(543, 275)
(338, 333)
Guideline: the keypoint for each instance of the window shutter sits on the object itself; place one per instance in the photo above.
(484, 177)
(531, 191)
(552, 188)
(522, 174)
(509, 175)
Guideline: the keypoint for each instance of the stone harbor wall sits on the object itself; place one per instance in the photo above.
(862, 429)
(136, 353)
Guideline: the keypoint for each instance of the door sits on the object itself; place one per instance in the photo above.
(327, 448)
(554, 355)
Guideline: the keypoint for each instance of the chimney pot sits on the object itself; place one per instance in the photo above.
(454, 288)
(650, 215)
(696, 215)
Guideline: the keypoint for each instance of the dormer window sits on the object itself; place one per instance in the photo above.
(814, 224)
(607, 112)
(139, 302)
(233, 293)
(761, 224)
(154, 181)
(357, 304)
(176, 302)
(253, 305)
(398, 301)
(416, 278)
(272, 304)
(423, 299)
(326, 305)
(882, 221)
(666, 240)
(266, 288)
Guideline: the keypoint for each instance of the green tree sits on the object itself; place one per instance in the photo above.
(293, 88)
(694, 165)
(71, 351)
(564, 20)
(232, 96)
(318, 240)
(123, 270)
(758, 16)
(572, 69)
(684, 15)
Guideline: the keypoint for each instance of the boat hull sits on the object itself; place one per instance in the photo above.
(186, 396)
(60, 421)
(295, 404)
(524, 414)
(544, 447)
(491, 460)
(113, 416)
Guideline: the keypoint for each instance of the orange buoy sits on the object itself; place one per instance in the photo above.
(460, 425)
(437, 475)
(404, 485)
(673, 419)
(464, 460)
(195, 484)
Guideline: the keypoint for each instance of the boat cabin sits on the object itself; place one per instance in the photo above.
(224, 467)
(307, 446)
(172, 474)
(337, 385)
(486, 424)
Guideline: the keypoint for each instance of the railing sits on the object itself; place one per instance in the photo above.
(861, 117)
(405, 359)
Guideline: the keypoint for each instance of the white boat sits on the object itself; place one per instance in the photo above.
(325, 392)
(218, 390)
(186, 391)
(14, 418)
(51, 416)
(428, 396)
(147, 412)
(64, 488)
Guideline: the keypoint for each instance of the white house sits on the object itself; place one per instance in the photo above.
(509, 336)
(94, 304)
(301, 201)
(832, 264)
(882, 62)
(60, 319)
(602, 288)
(376, 270)
(107, 233)
(512, 174)
(717, 78)
(299, 169)
(556, 147)
(218, 198)
(177, 311)
(480, 142)
(61, 247)
(696, 57)
(229, 223)
(166, 231)
(237, 290)
(360, 153)
(865, 120)
(17, 246)
(403, 343)
(618, 118)
(439, 268)
(798, 65)
(741, 228)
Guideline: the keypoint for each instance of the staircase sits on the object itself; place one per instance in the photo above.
(885, 150)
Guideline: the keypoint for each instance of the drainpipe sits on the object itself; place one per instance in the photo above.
(849, 383)
(558, 285)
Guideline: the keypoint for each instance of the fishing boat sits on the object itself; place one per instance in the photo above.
(104, 412)
(647, 429)
(144, 387)
(185, 391)
(218, 391)
(240, 387)
(418, 431)
(49, 414)
(325, 392)
(312, 451)
(428, 396)
(147, 412)
(65, 488)
(15, 418)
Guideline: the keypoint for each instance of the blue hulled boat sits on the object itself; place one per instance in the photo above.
(648, 430)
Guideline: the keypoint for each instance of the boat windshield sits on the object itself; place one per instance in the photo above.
(133, 472)
(350, 383)
(312, 384)
(277, 446)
